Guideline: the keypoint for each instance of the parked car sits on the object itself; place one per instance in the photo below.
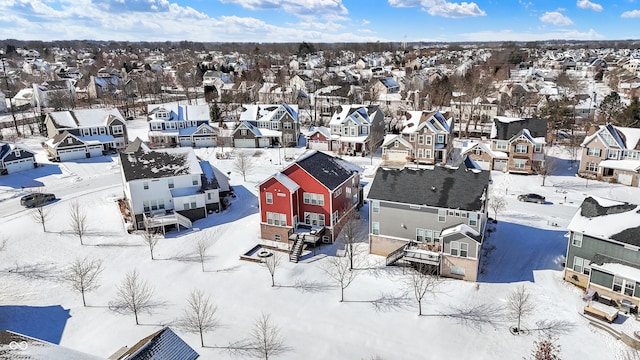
(534, 198)
(36, 199)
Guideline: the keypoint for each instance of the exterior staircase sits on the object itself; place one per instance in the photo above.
(396, 255)
(296, 251)
(183, 221)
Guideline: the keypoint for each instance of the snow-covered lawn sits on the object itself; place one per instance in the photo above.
(529, 248)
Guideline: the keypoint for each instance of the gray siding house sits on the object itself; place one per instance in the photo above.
(603, 251)
(432, 216)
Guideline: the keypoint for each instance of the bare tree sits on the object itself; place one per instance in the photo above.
(546, 349)
(546, 167)
(134, 295)
(266, 340)
(350, 235)
(497, 203)
(83, 274)
(41, 215)
(373, 144)
(420, 281)
(243, 164)
(201, 250)
(78, 219)
(338, 269)
(519, 305)
(200, 315)
(150, 237)
(272, 263)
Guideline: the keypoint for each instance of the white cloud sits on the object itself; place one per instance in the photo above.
(510, 35)
(555, 18)
(306, 7)
(631, 14)
(365, 22)
(586, 4)
(442, 7)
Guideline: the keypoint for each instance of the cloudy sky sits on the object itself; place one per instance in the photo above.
(319, 20)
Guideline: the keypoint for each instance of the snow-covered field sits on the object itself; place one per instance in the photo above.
(529, 247)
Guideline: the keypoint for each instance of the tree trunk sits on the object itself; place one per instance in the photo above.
(419, 308)
(135, 313)
(341, 294)
(84, 303)
(273, 282)
(201, 339)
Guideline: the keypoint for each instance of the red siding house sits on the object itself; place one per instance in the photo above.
(309, 200)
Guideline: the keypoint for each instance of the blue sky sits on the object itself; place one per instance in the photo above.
(319, 20)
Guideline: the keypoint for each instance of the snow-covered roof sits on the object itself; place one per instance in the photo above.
(469, 145)
(84, 117)
(629, 165)
(160, 163)
(608, 219)
(622, 270)
(286, 181)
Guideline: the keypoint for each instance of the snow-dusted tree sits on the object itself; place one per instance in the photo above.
(546, 167)
(201, 250)
(200, 315)
(272, 263)
(150, 237)
(520, 305)
(337, 268)
(266, 340)
(41, 215)
(420, 281)
(134, 295)
(78, 219)
(373, 144)
(243, 164)
(497, 203)
(546, 349)
(83, 274)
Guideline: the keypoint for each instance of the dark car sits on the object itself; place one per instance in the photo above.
(534, 198)
(36, 199)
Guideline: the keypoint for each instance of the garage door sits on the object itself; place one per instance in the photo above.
(500, 165)
(244, 143)
(72, 154)
(397, 155)
(95, 150)
(625, 179)
(205, 142)
(264, 142)
(318, 145)
(484, 164)
(24, 164)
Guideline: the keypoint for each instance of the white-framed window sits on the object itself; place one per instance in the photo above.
(576, 239)
(419, 235)
(473, 219)
(442, 215)
(537, 148)
(440, 139)
(612, 154)
(581, 265)
(194, 180)
(276, 219)
(334, 217)
(502, 145)
(287, 138)
(145, 185)
(269, 197)
(375, 206)
(117, 129)
(464, 250)
(618, 283)
(427, 153)
(287, 125)
(396, 144)
(420, 139)
(314, 219)
(519, 163)
(243, 132)
(591, 166)
(412, 137)
(594, 152)
(313, 199)
(420, 153)
(429, 139)
(375, 228)
(337, 193)
(629, 287)
(454, 248)
(171, 184)
(145, 205)
(522, 149)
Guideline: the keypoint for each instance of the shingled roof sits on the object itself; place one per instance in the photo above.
(331, 171)
(505, 130)
(160, 163)
(608, 219)
(442, 187)
(163, 344)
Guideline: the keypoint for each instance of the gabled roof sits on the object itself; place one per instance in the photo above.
(391, 138)
(359, 114)
(468, 146)
(6, 148)
(264, 112)
(284, 180)
(608, 219)
(163, 344)
(612, 136)
(462, 229)
(325, 131)
(434, 120)
(441, 187)
(527, 135)
(329, 170)
(505, 128)
(159, 163)
(84, 118)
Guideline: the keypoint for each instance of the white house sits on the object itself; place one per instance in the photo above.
(14, 158)
(170, 187)
(173, 125)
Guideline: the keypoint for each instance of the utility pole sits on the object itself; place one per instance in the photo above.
(6, 82)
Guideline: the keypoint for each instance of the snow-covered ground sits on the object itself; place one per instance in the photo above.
(529, 248)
